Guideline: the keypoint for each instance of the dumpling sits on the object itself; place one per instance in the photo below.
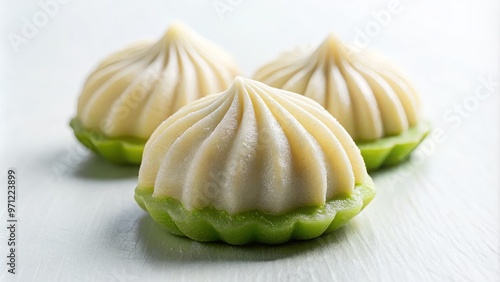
(132, 91)
(372, 100)
(253, 163)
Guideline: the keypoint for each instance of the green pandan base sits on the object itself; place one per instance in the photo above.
(127, 150)
(392, 150)
(210, 224)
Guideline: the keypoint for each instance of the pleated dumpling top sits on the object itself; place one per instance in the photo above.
(369, 97)
(132, 91)
(252, 147)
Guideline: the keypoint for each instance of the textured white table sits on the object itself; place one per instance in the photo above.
(434, 219)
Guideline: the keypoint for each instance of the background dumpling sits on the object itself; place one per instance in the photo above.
(372, 100)
(368, 96)
(132, 91)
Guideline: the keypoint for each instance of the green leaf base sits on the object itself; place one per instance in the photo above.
(392, 150)
(210, 224)
(125, 150)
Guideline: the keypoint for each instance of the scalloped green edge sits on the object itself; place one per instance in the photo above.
(392, 150)
(210, 224)
(124, 150)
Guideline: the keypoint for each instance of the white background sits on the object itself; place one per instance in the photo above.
(434, 219)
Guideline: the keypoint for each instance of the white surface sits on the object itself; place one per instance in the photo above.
(438, 220)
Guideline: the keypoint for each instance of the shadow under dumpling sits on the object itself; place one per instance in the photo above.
(160, 245)
(96, 167)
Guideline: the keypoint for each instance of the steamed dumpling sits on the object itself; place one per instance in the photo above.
(369, 97)
(132, 91)
(252, 164)
(252, 147)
